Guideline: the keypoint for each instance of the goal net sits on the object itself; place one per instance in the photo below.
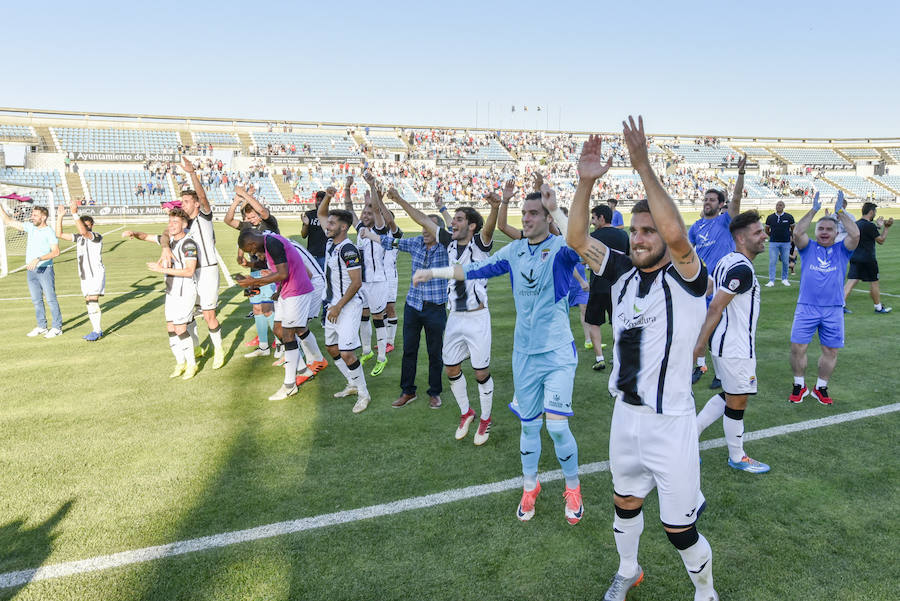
(17, 201)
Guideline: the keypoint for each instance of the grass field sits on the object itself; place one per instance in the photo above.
(102, 453)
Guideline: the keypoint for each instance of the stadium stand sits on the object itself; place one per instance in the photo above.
(80, 139)
(215, 138)
(891, 181)
(812, 156)
(331, 145)
(384, 140)
(17, 132)
(860, 187)
(32, 177)
(713, 155)
(805, 184)
(860, 153)
(894, 153)
(119, 187)
(757, 152)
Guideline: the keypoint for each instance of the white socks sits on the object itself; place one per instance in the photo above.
(627, 532)
(458, 388)
(713, 410)
(486, 396)
(93, 311)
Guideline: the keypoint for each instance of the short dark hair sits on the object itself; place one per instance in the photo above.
(42, 210)
(247, 208)
(602, 211)
(342, 215)
(245, 236)
(613, 200)
(179, 213)
(719, 194)
(190, 193)
(320, 195)
(536, 196)
(745, 219)
(641, 206)
(868, 206)
(473, 216)
(87, 219)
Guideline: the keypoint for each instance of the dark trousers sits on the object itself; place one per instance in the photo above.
(433, 318)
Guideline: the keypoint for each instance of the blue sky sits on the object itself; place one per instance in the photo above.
(729, 68)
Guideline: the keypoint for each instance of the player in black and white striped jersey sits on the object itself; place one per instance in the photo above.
(730, 333)
(91, 272)
(468, 331)
(658, 308)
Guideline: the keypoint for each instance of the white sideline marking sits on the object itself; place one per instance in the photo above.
(124, 558)
(152, 288)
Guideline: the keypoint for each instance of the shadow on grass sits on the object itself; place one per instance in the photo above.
(35, 543)
(138, 290)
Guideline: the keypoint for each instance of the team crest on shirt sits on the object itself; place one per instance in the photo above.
(753, 379)
(544, 254)
(733, 284)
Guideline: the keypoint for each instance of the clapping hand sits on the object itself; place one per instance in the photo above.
(509, 190)
(636, 142)
(187, 165)
(817, 204)
(839, 203)
(548, 198)
(591, 164)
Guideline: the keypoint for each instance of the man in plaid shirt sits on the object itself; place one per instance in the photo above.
(425, 303)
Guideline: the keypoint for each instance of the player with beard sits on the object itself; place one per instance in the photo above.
(820, 306)
(711, 238)
(658, 307)
(730, 334)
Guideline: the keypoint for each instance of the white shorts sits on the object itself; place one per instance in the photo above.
(345, 333)
(392, 289)
(647, 450)
(293, 311)
(318, 295)
(95, 286)
(738, 375)
(468, 336)
(374, 296)
(179, 309)
(207, 279)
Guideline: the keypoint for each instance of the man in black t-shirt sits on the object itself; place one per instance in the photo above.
(779, 227)
(599, 304)
(313, 232)
(256, 217)
(863, 265)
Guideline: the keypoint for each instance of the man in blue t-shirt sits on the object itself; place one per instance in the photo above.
(712, 240)
(617, 220)
(544, 356)
(41, 247)
(820, 306)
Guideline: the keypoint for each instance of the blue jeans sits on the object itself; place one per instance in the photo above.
(778, 250)
(42, 283)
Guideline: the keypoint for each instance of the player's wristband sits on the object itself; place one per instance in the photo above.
(443, 273)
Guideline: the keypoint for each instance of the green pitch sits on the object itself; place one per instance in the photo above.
(103, 453)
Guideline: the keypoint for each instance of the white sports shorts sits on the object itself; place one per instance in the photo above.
(345, 333)
(293, 311)
(468, 336)
(180, 309)
(95, 286)
(649, 449)
(738, 375)
(392, 289)
(315, 307)
(374, 296)
(207, 279)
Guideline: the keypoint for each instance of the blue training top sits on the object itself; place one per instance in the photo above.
(711, 239)
(540, 281)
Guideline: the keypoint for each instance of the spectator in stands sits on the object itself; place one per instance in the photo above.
(41, 247)
(779, 228)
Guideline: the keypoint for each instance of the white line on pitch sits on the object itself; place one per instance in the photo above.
(761, 279)
(124, 558)
(17, 269)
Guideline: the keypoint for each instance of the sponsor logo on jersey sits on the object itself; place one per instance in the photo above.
(733, 284)
(545, 253)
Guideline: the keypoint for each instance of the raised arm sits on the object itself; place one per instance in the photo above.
(375, 197)
(665, 213)
(548, 199)
(799, 235)
(196, 185)
(249, 198)
(134, 235)
(322, 211)
(852, 239)
(415, 214)
(9, 221)
(885, 226)
(60, 214)
(591, 167)
(304, 229)
(734, 207)
(442, 209)
(82, 229)
(490, 224)
(348, 199)
(509, 191)
(230, 219)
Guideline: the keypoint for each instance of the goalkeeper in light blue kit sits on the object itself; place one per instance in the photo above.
(544, 355)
